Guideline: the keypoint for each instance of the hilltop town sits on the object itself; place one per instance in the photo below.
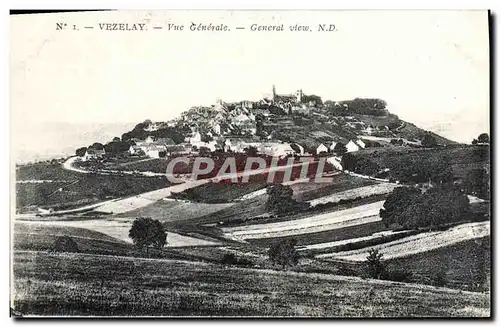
(276, 125)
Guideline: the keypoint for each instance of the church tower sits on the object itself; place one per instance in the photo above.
(298, 95)
(274, 93)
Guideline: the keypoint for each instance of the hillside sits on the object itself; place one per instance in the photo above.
(308, 124)
(86, 285)
(455, 163)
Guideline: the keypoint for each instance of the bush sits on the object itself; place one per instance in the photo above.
(81, 151)
(375, 266)
(232, 259)
(65, 244)
(283, 253)
(280, 200)
(229, 259)
(439, 279)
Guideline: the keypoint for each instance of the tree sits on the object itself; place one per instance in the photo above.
(206, 138)
(375, 266)
(314, 98)
(203, 151)
(429, 141)
(251, 151)
(360, 164)
(340, 149)
(147, 232)
(280, 198)
(97, 146)
(116, 147)
(65, 244)
(81, 151)
(375, 107)
(396, 202)
(397, 142)
(483, 138)
(221, 144)
(439, 278)
(283, 253)
(477, 183)
(412, 209)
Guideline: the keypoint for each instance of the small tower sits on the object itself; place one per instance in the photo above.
(274, 93)
(299, 95)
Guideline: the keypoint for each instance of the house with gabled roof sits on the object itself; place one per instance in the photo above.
(321, 148)
(93, 154)
(361, 144)
(352, 146)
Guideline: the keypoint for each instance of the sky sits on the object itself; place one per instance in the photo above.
(431, 67)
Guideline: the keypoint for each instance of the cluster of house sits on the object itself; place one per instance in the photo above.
(351, 146)
(159, 148)
(224, 120)
(268, 148)
(219, 120)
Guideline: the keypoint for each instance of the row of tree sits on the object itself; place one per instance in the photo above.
(114, 147)
(406, 169)
(410, 207)
(361, 106)
(177, 134)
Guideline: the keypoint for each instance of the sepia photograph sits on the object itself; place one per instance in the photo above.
(250, 164)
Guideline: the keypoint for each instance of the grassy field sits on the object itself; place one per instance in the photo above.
(84, 189)
(34, 237)
(249, 210)
(45, 171)
(379, 121)
(328, 235)
(44, 230)
(157, 165)
(422, 242)
(354, 243)
(342, 182)
(461, 158)
(310, 224)
(171, 210)
(359, 192)
(222, 192)
(463, 265)
(89, 285)
(238, 211)
(42, 238)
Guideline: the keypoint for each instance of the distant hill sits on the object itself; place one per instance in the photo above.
(47, 141)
